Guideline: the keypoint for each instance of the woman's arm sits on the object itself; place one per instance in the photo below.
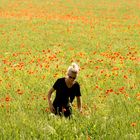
(79, 103)
(49, 100)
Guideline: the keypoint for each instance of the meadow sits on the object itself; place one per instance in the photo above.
(40, 39)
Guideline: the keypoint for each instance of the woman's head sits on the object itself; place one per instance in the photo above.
(72, 71)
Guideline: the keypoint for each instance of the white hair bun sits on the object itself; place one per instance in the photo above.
(74, 67)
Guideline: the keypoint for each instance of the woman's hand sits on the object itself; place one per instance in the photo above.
(80, 110)
(52, 109)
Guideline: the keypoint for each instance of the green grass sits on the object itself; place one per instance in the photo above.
(40, 39)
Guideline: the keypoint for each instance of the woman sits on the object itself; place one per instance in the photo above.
(67, 88)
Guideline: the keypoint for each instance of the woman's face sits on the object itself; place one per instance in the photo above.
(71, 76)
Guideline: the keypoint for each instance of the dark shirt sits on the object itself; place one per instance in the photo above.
(65, 95)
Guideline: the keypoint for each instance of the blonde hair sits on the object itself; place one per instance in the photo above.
(73, 68)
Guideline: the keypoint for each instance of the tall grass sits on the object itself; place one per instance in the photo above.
(38, 41)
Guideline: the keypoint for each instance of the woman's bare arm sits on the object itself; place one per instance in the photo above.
(49, 99)
(79, 103)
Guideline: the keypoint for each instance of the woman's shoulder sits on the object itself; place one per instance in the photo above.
(61, 79)
(76, 83)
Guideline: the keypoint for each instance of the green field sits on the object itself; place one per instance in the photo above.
(40, 39)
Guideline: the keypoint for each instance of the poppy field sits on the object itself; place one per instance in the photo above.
(40, 39)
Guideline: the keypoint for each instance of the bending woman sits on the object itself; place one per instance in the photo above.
(67, 88)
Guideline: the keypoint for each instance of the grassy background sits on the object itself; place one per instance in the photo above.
(39, 40)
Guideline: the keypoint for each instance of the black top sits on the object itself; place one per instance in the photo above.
(65, 95)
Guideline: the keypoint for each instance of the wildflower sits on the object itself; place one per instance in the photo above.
(101, 71)
(43, 51)
(7, 99)
(138, 96)
(47, 109)
(115, 68)
(97, 67)
(121, 89)
(55, 75)
(125, 77)
(71, 48)
(133, 124)
(43, 77)
(19, 92)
